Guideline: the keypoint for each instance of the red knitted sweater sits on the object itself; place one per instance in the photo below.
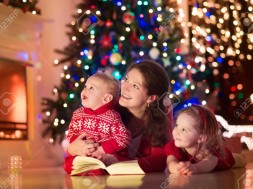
(103, 125)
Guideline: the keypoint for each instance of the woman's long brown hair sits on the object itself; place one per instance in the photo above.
(158, 126)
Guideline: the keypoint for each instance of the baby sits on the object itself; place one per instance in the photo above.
(97, 118)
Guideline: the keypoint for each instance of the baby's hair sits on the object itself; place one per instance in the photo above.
(207, 124)
(111, 82)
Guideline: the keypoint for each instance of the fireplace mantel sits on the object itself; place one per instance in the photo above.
(20, 34)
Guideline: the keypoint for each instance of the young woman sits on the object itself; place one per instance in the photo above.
(143, 93)
(197, 146)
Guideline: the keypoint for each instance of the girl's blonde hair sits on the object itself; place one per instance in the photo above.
(206, 122)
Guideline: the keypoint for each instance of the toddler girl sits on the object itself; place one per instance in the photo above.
(197, 146)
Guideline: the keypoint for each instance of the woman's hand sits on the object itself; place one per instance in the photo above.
(82, 147)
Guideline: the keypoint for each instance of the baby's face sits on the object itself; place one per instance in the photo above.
(93, 93)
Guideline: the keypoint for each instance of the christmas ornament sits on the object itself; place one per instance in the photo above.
(192, 63)
(104, 60)
(134, 39)
(128, 17)
(115, 59)
(182, 75)
(105, 41)
(108, 23)
(154, 53)
(177, 50)
(120, 46)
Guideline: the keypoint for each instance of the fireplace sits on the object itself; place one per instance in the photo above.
(13, 101)
(19, 52)
(21, 59)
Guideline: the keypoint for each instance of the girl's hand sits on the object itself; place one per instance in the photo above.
(82, 147)
(185, 168)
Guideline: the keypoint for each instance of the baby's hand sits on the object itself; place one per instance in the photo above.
(98, 152)
(185, 168)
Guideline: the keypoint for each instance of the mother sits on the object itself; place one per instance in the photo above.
(142, 108)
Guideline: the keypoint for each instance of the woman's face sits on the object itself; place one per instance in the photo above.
(133, 91)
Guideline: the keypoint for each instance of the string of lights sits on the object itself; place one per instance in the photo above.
(222, 32)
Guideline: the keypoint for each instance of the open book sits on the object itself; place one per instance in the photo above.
(83, 164)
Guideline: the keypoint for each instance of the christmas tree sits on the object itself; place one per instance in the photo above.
(25, 5)
(222, 31)
(109, 36)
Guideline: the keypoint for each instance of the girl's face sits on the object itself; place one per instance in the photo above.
(185, 134)
(133, 91)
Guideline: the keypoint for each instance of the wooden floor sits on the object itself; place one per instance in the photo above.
(55, 178)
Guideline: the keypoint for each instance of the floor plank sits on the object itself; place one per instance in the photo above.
(54, 178)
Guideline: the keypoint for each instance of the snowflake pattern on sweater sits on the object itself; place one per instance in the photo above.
(103, 126)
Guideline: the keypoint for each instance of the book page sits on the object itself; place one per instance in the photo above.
(121, 181)
(82, 164)
(84, 169)
(125, 168)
